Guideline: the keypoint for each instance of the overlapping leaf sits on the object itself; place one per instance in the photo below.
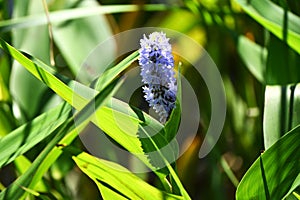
(82, 118)
(274, 172)
(107, 115)
(273, 18)
(110, 175)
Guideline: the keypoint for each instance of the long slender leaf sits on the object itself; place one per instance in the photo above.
(116, 176)
(68, 14)
(112, 73)
(82, 118)
(107, 123)
(22, 165)
(273, 18)
(117, 120)
(28, 135)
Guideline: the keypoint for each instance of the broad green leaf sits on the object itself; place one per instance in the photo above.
(272, 175)
(272, 17)
(52, 156)
(295, 110)
(56, 152)
(269, 65)
(21, 82)
(276, 113)
(114, 176)
(254, 57)
(93, 31)
(82, 118)
(281, 66)
(6, 117)
(281, 111)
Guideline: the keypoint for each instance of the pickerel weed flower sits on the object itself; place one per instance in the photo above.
(157, 71)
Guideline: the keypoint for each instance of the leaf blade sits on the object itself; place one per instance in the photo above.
(279, 166)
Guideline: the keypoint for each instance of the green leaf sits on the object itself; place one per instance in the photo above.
(68, 14)
(295, 110)
(82, 118)
(112, 175)
(45, 74)
(274, 19)
(7, 119)
(116, 119)
(108, 193)
(273, 173)
(94, 30)
(28, 135)
(268, 65)
(281, 111)
(254, 56)
(113, 72)
(21, 82)
(172, 125)
(281, 66)
(276, 110)
(22, 164)
(108, 123)
(294, 186)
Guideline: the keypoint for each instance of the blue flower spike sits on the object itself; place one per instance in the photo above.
(157, 71)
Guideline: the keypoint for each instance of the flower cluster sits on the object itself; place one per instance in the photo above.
(157, 71)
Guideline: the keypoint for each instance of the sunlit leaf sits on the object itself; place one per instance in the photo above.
(272, 175)
(82, 118)
(112, 175)
(281, 111)
(254, 57)
(273, 18)
(27, 136)
(117, 119)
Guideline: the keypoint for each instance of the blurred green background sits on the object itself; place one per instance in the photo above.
(237, 43)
